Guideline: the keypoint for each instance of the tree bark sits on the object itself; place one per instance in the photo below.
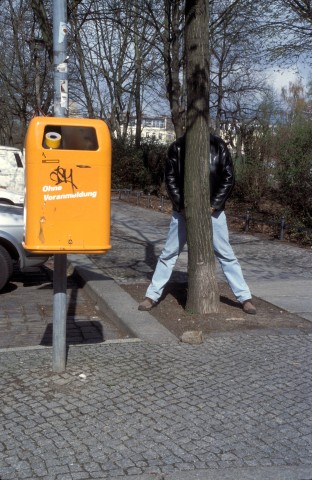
(138, 79)
(203, 296)
(173, 62)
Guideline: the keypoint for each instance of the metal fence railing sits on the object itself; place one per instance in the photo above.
(141, 199)
(281, 225)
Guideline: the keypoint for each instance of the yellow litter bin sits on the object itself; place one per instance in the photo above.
(68, 184)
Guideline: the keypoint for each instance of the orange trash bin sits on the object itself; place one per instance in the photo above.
(68, 185)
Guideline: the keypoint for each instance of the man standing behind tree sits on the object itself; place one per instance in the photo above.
(221, 185)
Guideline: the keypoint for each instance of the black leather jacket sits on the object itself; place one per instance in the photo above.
(221, 173)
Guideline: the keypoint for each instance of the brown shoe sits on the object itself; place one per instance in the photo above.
(248, 307)
(146, 305)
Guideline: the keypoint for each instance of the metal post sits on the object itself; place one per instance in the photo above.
(60, 58)
(161, 202)
(60, 110)
(247, 221)
(282, 231)
(59, 312)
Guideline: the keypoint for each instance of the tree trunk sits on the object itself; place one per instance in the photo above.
(172, 62)
(138, 80)
(203, 295)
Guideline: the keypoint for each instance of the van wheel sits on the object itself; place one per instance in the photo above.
(6, 267)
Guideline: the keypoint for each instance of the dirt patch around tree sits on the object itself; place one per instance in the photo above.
(170, 312)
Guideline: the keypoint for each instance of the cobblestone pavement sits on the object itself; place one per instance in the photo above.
(26, 313)
(236, 407)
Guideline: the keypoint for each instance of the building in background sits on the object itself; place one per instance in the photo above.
(154, 128)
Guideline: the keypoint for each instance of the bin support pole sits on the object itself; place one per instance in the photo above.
(59, 312)
(60, 110)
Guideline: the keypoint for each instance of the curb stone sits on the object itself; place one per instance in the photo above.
(118, 305)
(244, 473)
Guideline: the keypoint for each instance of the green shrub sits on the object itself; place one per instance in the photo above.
(137, 168)
(252, 181)
(293, 152)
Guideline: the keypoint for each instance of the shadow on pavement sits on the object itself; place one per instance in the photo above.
(77, 332)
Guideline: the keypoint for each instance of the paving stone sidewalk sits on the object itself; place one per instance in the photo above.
(236, 407)
(26, 313)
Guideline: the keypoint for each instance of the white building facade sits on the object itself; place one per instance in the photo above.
(154, 128)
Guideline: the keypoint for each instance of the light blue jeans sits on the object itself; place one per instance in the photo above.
(175, 242)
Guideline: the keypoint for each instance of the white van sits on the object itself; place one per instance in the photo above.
(12, 176)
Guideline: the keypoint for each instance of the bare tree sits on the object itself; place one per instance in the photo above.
(295, 101)
(287, 30)
(236, 76)
(23, 67)
(115, 65)
(173, 63)
(43, 13)
(167, 18)
(203, 294)
(126, 57)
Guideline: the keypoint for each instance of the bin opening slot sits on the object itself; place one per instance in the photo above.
(70, 137)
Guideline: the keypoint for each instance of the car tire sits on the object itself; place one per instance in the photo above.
(6, 267)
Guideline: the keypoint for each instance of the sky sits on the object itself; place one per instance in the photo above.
(281, 78)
